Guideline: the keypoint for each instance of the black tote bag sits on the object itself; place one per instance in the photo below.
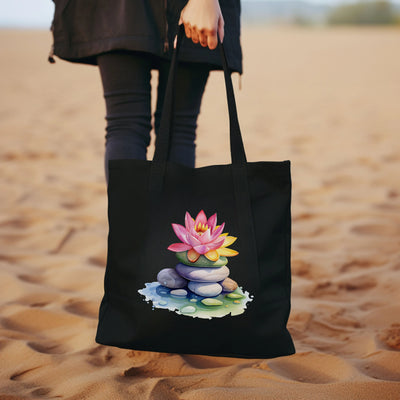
(198, 259)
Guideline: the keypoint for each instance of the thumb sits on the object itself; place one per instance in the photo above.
(180, 20)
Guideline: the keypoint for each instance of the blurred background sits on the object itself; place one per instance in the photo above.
(38, 13)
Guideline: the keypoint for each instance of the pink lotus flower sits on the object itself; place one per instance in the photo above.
(202, 236)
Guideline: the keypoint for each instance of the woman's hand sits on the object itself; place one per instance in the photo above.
(202, 20)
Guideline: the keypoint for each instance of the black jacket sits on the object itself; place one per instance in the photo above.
(84, 28)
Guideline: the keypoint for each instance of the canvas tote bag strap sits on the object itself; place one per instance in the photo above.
(163, 139)
(238, 156)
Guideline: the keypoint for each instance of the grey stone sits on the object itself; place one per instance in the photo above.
(201, 274)
(206, 289)
(169, 278)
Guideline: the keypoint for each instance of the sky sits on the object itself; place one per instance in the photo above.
(26, 13)
(39, 13)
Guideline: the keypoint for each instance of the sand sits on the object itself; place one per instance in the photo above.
(326, 99)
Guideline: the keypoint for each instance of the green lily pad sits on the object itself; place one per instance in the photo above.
(203, 261)
(212, 302)
(234, 296)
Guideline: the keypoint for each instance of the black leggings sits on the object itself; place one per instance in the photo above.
(126, 79)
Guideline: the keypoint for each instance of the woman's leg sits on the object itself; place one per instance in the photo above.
(191, 79)
(126, 79)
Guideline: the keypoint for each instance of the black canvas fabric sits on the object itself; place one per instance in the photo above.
(145, 197)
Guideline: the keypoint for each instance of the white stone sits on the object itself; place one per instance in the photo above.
(201, 274)
(206, 289)
(178, 292)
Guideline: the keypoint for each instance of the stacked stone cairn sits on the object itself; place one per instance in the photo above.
(202, 255)
(203, 277)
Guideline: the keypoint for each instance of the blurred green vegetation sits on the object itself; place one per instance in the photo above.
(375, 12)
(301, 20)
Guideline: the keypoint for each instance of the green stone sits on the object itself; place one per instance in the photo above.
(234, 296)
(203, 261)
(188, 309)
(212, 302)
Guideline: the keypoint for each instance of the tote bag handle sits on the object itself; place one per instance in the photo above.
(238, 157)
(163, 139)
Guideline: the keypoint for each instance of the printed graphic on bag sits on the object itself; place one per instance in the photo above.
(199, 285)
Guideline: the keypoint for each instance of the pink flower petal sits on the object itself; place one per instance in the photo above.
(193, 240)
(205, 237)
(189, 223)
(181, 232)
(212, 222)
(216, 244)
(202, 248)
(201, 217)
(194, 233)
(218, 231)
(179, 247)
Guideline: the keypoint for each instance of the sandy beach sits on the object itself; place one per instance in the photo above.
(326, 99)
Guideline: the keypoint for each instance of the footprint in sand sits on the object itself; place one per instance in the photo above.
(18, 223)
(31, 278)
(396, 267)
(384, 365)
(35, 320)
(392, 194)
(391, 337)
(301, 268)
(172, 365)
(313, 367)
(48, 347)
(73, 204)
(13, 238)
(376, 229)
(99, 260)
(300, 320)
(18, 375)
(28, 155)
(363, 282)
(389, 207)
(37, 299)
(303, 216)
(350, 284)
(83, 308)
(12, 258)
(314, 245)
(43, 391)
(356, 264)
(198, 361)
(99, 356)
(371, 305)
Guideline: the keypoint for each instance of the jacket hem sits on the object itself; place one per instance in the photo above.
(86, 52)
